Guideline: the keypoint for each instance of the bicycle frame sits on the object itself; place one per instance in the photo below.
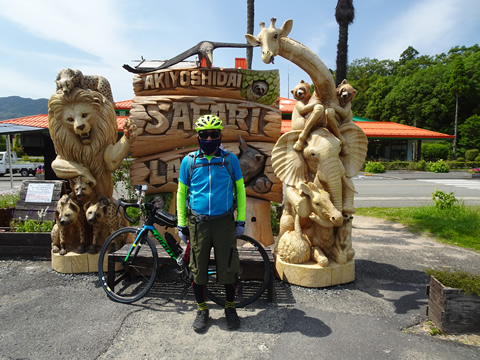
(144, 231)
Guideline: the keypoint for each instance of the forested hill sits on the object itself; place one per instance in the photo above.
(12, 107)
(421, 91)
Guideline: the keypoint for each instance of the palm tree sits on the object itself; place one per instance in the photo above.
(344, 14)
(250, 19)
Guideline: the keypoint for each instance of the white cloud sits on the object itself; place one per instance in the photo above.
(92, 27)
(430, 26)
(14, 83)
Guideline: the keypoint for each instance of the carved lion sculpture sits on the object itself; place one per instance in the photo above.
(68, 79)
(83, 127)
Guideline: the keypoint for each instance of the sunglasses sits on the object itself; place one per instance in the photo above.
(214, 135)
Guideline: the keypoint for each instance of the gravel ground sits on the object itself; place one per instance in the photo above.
(47, 315)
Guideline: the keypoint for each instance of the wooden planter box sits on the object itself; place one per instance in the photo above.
(451, 310)
(6, 215)
(25, 245)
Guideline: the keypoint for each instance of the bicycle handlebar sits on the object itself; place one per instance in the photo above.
(125, 205)
(162, 217)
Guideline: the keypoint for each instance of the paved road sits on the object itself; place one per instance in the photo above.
(401, 189)
(392, 189)
(16, 181)
(47, 315)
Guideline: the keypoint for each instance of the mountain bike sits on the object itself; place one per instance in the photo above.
(128, 260)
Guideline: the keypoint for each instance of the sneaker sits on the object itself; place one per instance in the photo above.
(233, 322)
(200, 323)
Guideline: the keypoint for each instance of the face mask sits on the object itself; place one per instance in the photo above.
(209, 146)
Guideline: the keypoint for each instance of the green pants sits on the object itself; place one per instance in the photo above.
(219, 234)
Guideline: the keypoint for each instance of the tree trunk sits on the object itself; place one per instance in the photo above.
(455, 129)
(250, 19)
(342, 49)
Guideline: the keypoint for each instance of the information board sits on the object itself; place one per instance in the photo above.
(39, 192)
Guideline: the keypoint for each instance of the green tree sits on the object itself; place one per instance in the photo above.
(415, 89)
(344, 14)
(435, 151)
(410, 53)
(469, 133)
(363, 74)
(458, 84)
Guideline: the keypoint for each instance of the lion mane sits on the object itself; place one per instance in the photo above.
(103, 130)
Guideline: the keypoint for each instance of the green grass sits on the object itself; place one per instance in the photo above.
(458, 226)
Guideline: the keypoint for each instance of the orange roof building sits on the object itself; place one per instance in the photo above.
(388, 141)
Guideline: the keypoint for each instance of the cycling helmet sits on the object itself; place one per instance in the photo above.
(208, 122)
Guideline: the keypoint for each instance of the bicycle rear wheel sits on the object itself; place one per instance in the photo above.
(253, 277)
(127, 272)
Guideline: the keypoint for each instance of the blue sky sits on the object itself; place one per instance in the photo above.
(97, 37)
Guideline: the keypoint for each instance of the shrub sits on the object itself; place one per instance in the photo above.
(398, 165)
(435, 151)
(470, 155)
(460, 159)
(477, 159)
(418, 165)
(444, 201)
(438, 167)
(374, 167)
(9, 198)
(454, 164)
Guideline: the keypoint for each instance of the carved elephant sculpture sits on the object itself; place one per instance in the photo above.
(321, 162)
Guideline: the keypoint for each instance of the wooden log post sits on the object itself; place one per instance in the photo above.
(258, 214)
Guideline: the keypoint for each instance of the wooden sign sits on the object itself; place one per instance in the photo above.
(167, 104)
(251, 85)
(167, 122)
(39, 192)
(31, 201)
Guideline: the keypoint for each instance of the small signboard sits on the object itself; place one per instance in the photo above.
(36, 195)
(39, 192)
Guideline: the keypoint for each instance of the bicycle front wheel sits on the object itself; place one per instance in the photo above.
(127, 271)
(253, 277)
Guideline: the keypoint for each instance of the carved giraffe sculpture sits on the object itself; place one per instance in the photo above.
(275, 42)
(314, 154)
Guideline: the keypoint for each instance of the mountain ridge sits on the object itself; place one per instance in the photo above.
(12, 107)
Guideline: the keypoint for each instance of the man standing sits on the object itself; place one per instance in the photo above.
(210, 190)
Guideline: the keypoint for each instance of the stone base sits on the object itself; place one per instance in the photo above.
(312, 275)
(73, 263)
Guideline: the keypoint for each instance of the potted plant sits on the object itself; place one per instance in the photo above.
(28, 237)
(454, 300)
(8, 200)
(40, 173)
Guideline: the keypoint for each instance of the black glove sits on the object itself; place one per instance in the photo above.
(240, 228)
(183, 233)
